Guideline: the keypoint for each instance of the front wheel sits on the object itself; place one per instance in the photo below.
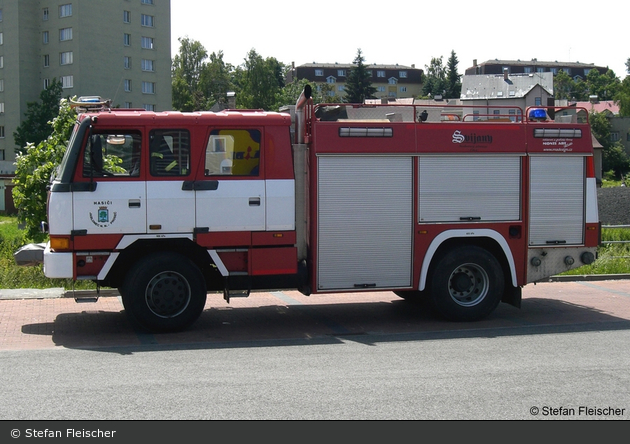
(467, 284)
(164, 292)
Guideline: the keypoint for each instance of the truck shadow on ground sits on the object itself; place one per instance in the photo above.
(280, 325)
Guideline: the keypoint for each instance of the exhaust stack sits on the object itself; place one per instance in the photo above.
(305, 95)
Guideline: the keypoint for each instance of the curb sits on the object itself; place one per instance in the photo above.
(55, 293)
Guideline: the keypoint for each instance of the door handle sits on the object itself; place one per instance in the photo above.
(254, 201)
(134, 203)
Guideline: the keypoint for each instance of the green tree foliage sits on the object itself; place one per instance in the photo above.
(359, 81)
(36, 125)
(35, 167)
(615, 158)
(260, 81)
(186, 73)
(216, 80)
(435, 83)
(623, 94)
(453, 79)
(605, 86)
(563, 86)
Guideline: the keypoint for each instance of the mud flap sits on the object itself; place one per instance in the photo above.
(512, 296)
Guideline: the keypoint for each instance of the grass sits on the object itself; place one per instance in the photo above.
(15, 276)
(612, 258)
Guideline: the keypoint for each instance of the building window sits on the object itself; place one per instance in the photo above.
(67, 81)
(380, 74)
(1, 38)
(1, 61)
(46, 83)
(403, 89)
(554, 71)
(45, 14)
(126, 16)
(127, 62)
(149, 107)
(65, 34)
(0, 14)
(65, 10)
(2, 132)
(1, 107)
(527, 69)
(147, 42)
(331, 79)
(127, 105)
(147, 20)
(341, 88)
(127, 85)
(127, 39)
(147, 65)
(341, 72)
(392, 81)
(402, 74)
(512, 113)
(538, 101)
(319, 72)
(147, 2)
(1, 85)
(148, 88)
(614, 136)
(45, 37)
(46, 58)
(65, 58)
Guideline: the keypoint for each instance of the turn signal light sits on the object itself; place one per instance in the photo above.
(59, 243)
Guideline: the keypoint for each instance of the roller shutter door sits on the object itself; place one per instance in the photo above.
(365, 222)
(556, 200)
(482, 188)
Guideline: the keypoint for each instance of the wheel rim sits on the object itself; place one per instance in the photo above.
(468, 285)
(168, 294)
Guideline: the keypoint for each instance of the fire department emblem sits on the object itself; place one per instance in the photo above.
(103, 218)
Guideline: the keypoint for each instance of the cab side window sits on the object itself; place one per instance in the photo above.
(233, 152)
(169, 152)
(112, 154)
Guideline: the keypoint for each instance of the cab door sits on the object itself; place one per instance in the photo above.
(230, 192)
(109, 195)
(170, 205)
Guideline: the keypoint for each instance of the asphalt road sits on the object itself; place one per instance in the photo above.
(281, 355)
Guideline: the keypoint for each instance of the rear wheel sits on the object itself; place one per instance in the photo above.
(467, 284)
(164, 292)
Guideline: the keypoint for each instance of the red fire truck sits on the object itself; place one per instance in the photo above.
(460, 205)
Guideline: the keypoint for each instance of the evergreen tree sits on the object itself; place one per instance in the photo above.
(358, 82)
(453, 79)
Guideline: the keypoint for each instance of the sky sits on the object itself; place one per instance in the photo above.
(406, 32)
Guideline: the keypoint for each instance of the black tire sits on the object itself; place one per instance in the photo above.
(164, 292)
(467, 284)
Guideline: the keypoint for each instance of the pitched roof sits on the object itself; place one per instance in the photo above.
(497, 86)
(599, 107)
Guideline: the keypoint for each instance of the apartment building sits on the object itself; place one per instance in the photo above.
(119, 50)
(390, 81)
(576, 70)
